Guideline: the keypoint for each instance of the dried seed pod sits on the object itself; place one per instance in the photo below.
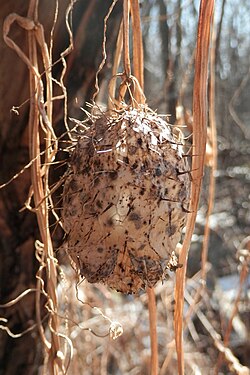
(125, 200)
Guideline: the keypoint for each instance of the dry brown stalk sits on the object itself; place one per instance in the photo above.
(41, 130)
(139, 74)
(211, 161)
(138, 60)
(126, 56)
(198, 156)
(213, 157)
(39, 191)
(153, 333)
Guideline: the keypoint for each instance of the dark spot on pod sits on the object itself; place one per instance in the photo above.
(73, 185)
(110, 222)
(142, 247)
(183, 193)
(96, 181)
(132, 150)
(97, 163)
(133, 216)
(126, 160)
(171, 230)
(99, 204)
(120, 265)
(168, 166)
(100, 249)
(91, 275)
(84, 198)
(113, 175)
(158, 172)
(142, 191)
(139, 141)
(135, 165)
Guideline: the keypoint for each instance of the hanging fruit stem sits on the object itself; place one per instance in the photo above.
(126, 56)
(138, 60)
(131, 84)
(117, 59)
(139, 74)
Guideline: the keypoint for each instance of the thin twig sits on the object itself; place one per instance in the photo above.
(232, 360)
(231, 107)
(245, 262)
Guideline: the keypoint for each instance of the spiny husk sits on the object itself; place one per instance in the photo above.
(125, 199)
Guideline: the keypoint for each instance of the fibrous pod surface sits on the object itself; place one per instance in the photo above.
(125, 199)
